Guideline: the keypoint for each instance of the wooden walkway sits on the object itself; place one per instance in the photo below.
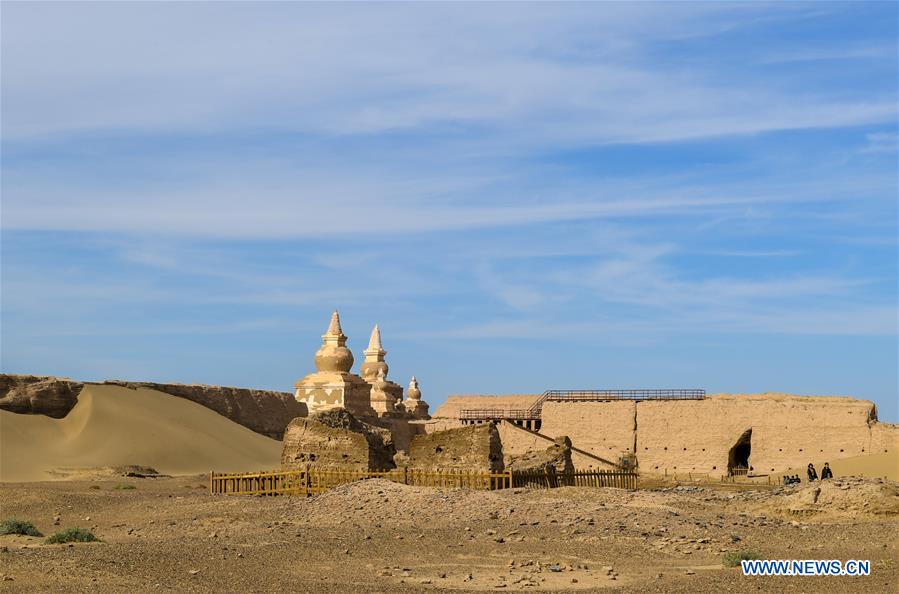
(312, 481)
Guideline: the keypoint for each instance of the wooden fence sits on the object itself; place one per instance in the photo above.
(579, 478)
(312, 481)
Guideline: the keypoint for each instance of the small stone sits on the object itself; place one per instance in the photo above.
(573, 580)
(690, 572)
(193, 571)
(555, 568)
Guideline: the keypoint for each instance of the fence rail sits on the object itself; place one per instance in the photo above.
(665, 394)
(578, 478)
(490, 414)
(534, 412)
(312, 481)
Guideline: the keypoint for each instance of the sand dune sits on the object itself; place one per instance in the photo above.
(884, 465)
(116, 426)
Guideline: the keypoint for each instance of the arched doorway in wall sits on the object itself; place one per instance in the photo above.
(738, 456)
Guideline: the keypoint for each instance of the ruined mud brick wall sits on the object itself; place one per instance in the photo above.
(473, 447)
(884, 438)
(262, 411)
(455, 403)
(787, 431)
(519, 442)
(38, 395)
(403, 430)
(605, 429)
(556, 457)
(335, 439)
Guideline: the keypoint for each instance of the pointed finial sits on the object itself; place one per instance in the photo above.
(374, 342)
(334, 328)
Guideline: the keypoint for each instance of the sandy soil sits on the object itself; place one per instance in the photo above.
(115, 426)
(169, 535)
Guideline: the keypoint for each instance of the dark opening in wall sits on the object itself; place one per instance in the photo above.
(738, 456)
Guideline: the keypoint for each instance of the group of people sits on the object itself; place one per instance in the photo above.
(826, 473)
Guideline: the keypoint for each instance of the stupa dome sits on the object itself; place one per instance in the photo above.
(334, 356)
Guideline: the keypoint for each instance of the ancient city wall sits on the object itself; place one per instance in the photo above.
(787, 431)
(605, 429)
(455, 403)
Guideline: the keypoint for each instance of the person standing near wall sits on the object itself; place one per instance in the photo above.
(826, 473)
(812, 473)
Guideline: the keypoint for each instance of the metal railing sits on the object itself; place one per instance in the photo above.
(491, 414)
(535, 410)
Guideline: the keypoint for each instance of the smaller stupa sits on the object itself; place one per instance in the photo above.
(414, 406)
(375, 363)
(382, 402)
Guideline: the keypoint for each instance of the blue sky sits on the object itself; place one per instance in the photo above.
(524, 197)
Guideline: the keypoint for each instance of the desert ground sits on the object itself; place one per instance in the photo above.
(169, 535)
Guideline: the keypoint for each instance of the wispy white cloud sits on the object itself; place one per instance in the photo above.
(568, 74)
(880, 142)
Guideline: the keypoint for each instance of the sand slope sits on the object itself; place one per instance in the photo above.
(116, 426)
(884, 465)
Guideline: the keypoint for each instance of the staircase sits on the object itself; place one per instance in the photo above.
(551, 441)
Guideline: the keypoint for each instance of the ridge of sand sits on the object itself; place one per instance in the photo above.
(884, 465)
(117, 426)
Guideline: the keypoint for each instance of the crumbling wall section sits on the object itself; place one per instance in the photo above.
(787, 431)
(604, 429)
(473, 447)
(38, 395)
(334, 438)
(455, 403)
(556, 457)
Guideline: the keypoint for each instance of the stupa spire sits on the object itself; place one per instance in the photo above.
(374, 357)
(374, 343)
(334, 328)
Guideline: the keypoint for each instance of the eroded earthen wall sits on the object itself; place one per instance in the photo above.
(455, 403)
(473, 447)
(787, 431)
(336, 439)
(605, 429)
(679, 436)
